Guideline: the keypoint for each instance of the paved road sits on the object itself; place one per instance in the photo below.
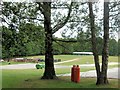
(18, 66)
(112, 73)
(27, 66)
(32, 66)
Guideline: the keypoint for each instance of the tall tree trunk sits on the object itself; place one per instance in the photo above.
(45, 8)
(49, 64)
(93, 40)
(105, 51)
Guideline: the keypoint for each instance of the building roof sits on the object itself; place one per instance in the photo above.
(89, 53)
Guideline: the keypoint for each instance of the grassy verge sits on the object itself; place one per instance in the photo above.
(62, 57)
(64, 82)
(82, 69)
(68, 70)
(31, 79)
(89, 60)
(12, 62)
(82, 59)
(114, 66)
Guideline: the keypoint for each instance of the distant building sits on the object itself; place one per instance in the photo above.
(83, 53)
(19, 59)
(1, 60)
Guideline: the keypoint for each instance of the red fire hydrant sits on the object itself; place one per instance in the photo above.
(75, 74)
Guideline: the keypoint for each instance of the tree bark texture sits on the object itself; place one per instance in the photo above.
(45, 8)
(105, 51)
(93, 40)
(49, 72)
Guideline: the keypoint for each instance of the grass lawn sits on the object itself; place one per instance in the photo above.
(82, 69)
(62, 57)
(89, 59)
(68, 70)
(12, 62)
(31, 79)
(82, 59)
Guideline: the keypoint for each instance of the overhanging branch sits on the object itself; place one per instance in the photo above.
(58, 7)
(114, 5)
(62, 45)
(32, 18)
(62, 40)
(62, 23)
(3, 20)
(70, 40)
(41, 7)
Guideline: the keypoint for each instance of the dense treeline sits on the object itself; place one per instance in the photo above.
(29, 40)
(24, 36)
(85, 46)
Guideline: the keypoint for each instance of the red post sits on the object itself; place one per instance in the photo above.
(73, 73)
(77, 74)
